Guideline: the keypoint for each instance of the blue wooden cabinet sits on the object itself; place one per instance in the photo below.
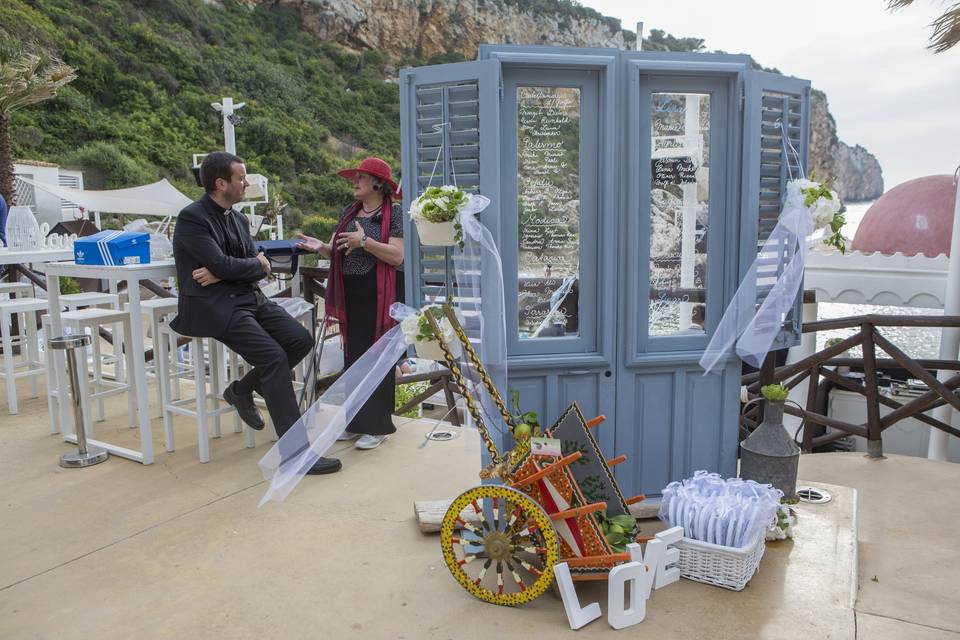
(629, 192)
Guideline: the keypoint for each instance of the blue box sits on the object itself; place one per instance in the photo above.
(113, 248)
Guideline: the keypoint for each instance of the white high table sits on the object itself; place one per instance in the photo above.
(31, 256)
(132, 274)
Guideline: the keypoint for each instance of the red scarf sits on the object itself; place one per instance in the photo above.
(336, 306)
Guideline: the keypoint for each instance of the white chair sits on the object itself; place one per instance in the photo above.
(25, 309)
(81, 321)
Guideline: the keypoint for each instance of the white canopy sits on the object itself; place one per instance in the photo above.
(157, 199)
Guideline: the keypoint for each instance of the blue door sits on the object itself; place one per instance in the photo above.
(554, 225)
(680, 222)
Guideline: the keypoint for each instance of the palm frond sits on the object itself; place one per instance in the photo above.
(946, 30)
(28, 77)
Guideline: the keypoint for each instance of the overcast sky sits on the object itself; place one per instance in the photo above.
(887, 92)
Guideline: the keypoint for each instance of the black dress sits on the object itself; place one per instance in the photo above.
(360, 293)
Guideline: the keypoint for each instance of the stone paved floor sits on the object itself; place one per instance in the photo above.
(179, 550)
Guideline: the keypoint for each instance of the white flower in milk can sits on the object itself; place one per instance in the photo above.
(411, 327)
(418, 331)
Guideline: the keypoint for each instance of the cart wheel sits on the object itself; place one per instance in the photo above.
(514, 536)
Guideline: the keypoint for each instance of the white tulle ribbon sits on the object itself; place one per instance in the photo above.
(315, 432)
(753, 330)
(480, 297)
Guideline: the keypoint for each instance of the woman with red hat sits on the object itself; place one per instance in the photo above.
(366, 277)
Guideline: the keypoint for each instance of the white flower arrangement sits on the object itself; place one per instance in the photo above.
(825, 207)
(418, 332)
(438, 205)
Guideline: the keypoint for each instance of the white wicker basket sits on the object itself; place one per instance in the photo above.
(727, 567)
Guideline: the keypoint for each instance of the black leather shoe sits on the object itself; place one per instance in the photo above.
(244, 405)
(324, 466)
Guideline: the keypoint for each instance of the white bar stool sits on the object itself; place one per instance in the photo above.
(305, 318)
(206, 403)
(156, 310)
(25, 309)
(237, 367)
(88, 299)
(74, 301)
(18, 289)
(91, 319)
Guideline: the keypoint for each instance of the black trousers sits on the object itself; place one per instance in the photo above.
(267, 337)
(360, 293)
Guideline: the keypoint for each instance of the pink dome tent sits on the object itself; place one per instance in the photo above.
(915, 217)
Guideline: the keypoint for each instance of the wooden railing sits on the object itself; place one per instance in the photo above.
(823, 364)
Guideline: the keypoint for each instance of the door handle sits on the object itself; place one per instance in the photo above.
(578, 372)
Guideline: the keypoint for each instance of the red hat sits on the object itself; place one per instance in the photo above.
(376, 168)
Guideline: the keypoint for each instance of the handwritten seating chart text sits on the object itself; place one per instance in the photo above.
(548, 203)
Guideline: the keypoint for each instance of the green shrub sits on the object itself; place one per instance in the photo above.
(69, 285)
(320, 227)
(405, 393)
(106, 167)
(149, 70)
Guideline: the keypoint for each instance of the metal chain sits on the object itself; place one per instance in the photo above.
(481, 370)
(462, 388)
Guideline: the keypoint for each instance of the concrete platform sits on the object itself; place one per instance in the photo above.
(909, 553)
(179, 550)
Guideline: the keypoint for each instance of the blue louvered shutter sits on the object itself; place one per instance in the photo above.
(449, 133)
(770, 99)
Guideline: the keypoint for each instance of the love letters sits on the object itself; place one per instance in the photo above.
(652, 568)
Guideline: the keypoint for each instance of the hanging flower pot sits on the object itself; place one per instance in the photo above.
(437, 214)
(418, 332)
(436, 234)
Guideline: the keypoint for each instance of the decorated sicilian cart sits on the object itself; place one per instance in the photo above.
(557, 501)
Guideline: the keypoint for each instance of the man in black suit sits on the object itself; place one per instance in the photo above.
(218, 269)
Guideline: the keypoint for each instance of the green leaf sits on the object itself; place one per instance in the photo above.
(626, 521)
(617, 538)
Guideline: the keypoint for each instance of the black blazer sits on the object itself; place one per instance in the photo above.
(199, 242)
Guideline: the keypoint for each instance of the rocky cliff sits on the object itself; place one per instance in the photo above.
(428, 29)
(434, 27)
(857, 171)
